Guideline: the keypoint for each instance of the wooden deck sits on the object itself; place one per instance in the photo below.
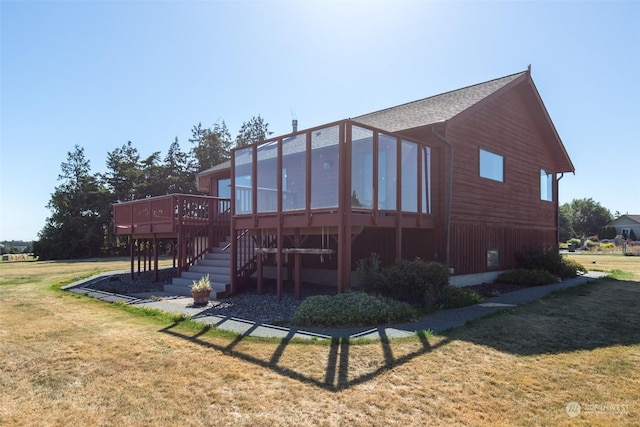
(165, 216)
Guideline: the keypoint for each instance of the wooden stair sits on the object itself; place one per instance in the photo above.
(217, 264)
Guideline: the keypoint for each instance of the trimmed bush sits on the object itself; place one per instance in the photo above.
(454, 297)
(416, 282)
(526, 277)
(550, 260)
(591, 244)
(351, 309)
(570, 268)
(370, 275)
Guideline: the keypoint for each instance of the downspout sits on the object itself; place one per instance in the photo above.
(447, 215)
(558, 207)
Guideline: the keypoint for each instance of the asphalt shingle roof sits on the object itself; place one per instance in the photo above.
(435, 109)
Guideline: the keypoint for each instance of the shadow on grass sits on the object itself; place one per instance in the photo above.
(587, 317)
(600, 314)
(335, 374)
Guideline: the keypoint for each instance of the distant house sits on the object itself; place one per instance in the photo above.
(624, 224)
(466, 178)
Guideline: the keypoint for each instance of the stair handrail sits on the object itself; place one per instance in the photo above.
(211, 234)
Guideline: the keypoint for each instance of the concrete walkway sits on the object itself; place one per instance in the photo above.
(436, 322)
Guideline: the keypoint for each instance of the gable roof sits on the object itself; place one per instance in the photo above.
(435, 109)
(454, 105)
(621, 218)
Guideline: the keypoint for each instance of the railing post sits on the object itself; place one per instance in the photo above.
(180, 233)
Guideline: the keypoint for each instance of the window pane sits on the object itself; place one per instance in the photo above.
(324, 167)
(243, 160)
(387, 175)
(294, 172)
(546, 186)
(409, 176)
(491, 166)
(267, 177)
(426, 179)
(493, 258)
(361, 168)
(224, 188)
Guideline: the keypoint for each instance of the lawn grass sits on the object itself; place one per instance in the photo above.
(602, 262)
(70, 360)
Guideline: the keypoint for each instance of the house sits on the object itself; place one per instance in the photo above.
(466, 178)
(625, 224)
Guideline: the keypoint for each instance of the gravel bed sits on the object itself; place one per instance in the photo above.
(263, 308)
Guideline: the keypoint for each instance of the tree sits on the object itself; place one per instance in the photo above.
(179, 170)
(80, 213)
(587, 216)
(212, 146)
(124, 172)
(153, 181)
(565, 223)
(252, 131)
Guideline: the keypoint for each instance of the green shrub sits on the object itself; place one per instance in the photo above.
(570, 268)
(538, 258)
(526, 277)
(454, 297)
(591, 244)
(416, 282)
(400, 311)
(548, 259)
(370, 275)
(574, 241)
(350, 309)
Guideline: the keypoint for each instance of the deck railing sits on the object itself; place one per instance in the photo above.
(167, 214)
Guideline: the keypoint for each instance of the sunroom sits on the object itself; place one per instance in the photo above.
(312, 194)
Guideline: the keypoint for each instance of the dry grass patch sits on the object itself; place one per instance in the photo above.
(69, 360)
(608, 263)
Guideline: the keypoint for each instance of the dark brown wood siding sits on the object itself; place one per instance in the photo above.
(505, 215)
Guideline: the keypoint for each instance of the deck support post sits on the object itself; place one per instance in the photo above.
(297, 263)
(399, 239)
(279, 261)
(234, 256)
(155, 258)
(132, 254)
(259, 268)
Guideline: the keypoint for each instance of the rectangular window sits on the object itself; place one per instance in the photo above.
(491, 166)
(493, 258)
(294, 172)
(426, 179)
(267, 178)
(361, 168)
(324, 167)
(409, 172)
(387, 176)
(243, 161)
(546, 186)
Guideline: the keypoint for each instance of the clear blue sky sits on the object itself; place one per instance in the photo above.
(101, 73)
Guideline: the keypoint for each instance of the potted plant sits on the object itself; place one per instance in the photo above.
(200, 290)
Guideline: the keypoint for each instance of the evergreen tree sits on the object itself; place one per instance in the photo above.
(153, 180)
(179, 170)
(124, 172)
(252, 131)
(80, 213)
(212, 146)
